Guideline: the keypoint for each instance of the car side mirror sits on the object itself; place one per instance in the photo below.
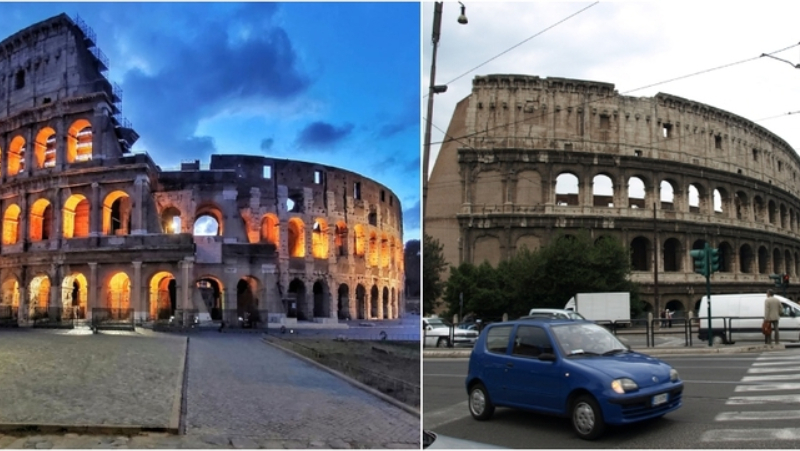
(428, 328)
(547, 357)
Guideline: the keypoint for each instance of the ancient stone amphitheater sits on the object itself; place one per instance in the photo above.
(528, 158)
(88, 227)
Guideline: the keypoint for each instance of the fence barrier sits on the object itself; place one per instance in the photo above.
(9, 316)
(112, 319)
(55, 317)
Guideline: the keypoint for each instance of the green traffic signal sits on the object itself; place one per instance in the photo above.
(778, 279)
(700, 260)
(714, 260)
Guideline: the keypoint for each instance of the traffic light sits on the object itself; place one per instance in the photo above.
(778, 279)
(700, 261)
(714, 260)
(786, 280)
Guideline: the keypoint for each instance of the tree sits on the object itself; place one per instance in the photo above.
(433, 264)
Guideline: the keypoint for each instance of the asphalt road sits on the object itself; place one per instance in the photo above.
(730, 401)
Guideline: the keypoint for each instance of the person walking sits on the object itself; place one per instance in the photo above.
(772, 313)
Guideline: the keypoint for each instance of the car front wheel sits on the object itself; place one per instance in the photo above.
(480, 405)
(587, 418)
(442, 342)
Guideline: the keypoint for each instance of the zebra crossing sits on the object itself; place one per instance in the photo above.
(772, 380)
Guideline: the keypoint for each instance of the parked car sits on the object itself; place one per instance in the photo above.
(573, 369)
(437, 333)
(554, 313)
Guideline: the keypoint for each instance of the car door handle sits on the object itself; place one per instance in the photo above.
(510, 365)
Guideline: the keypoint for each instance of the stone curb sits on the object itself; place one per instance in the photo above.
(175, 418)
(654, 352)
(348, 379)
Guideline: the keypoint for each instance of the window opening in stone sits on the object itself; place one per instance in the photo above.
(694, 199)
(357, 190)
(780, 166)
(667, 196)
(267, 171)
(755, 155)
(666, 130)
(41, 219)
(317, 177)
(602, 191)
(16, 156)
(319, 239)
(206, 225)
(294, 204)
(44, 148)
(373, 218)
(171, 221)
(718, 142)
(717, 201)
(636, 193)
(19, 80)
(270, 229)
(79, 141)
(383, 196)
(637, 153)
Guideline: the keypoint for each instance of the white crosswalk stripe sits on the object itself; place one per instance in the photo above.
(774, 374)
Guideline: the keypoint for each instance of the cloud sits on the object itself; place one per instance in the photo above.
(411, 217)
(322, 134)
(266, 144)
(398, 162)
(408, 118)
(210, 67)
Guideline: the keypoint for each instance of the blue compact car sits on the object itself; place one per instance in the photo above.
(574, 369)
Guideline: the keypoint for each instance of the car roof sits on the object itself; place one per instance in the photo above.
(540, 320)
(549, 310)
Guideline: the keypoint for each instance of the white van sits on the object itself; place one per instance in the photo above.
(739, 316)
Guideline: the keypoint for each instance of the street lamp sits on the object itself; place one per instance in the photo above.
(432, 90)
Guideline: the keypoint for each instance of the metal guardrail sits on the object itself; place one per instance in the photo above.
(55, 317)
(113, 319)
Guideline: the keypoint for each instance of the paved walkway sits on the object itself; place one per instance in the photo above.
(240, 393)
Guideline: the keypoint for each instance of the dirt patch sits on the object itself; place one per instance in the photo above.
(388, 366)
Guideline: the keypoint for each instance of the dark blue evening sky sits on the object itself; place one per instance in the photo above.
(334, 83)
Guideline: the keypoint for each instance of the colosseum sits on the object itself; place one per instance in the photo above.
(527, 158)
(90, 227)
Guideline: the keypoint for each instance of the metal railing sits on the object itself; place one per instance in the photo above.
(113, 318)
(53, 317)
(244, 319)
(9, 316)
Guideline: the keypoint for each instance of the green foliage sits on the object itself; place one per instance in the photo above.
(545, 278)
(433, 264)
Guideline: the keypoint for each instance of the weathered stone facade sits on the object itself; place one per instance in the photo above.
(87, 224)
(680, 173)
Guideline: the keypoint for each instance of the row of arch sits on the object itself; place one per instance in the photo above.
(698, 199)
(78, 148)
(744, 260)
(162, 298)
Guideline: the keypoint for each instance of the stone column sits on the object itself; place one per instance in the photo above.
(92, 301)
(95, 212)
(184, 298)
(138, 304)
(23, 218)
(30, 148)
(61, 143)
(55, 288)
(137, 221)
(58, 220)
(4, 158)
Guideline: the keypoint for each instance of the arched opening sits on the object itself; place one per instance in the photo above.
(118, 295)
(211, 293)
(672, 255)
(771, 210)
(343, 302)
(246, 299)
(117, 214)
(567, 190)
(320, 304)
(11, 230)
(163, 296)
(340, 239)
(208, 221)
(171, 221)
(9, 302)
(640, 254)
(384, 251)
(746, 259)
(602, 191)
(41, 220)
(374, 301)
(725, 257)
(741, 205)
(636, 193)
(44, 150)
(361, 302)
(777, 261)
(75, 221)
(79, 141)
(297, 242)
(319, 239)
(667, 195)
(75, 295)
(16, 156)
(373, 249)
(270, 229)
(720, 201)
(296, 299)
(387, 307)
(694, 198)
(39, 296)
(763, 260)
(360, 240)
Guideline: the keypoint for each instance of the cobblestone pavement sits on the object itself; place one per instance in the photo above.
(241, 394)
(76, 378)
(240, 387)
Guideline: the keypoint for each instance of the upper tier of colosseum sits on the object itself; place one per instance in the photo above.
(529, 112)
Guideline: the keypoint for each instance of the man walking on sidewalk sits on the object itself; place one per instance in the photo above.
(772, 313)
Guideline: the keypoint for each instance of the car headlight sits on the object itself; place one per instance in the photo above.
(624, 385)
(673, 374)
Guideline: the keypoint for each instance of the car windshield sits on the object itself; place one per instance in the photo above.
(586, 339)
(575, 315)
(436, 322)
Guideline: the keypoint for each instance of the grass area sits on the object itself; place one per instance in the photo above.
(388, 366)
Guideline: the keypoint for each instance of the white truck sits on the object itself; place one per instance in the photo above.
(614, 307)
